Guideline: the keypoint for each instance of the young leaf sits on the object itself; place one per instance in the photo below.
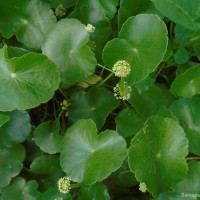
(3, 118)
(187, 84)
(66, 46)
(47, 137)
(157, 152)
(26, 81)
(137, 36)
(11, 163)
(87, 157)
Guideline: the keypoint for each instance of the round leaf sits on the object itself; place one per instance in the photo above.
(65, 46)
(10, 13)
(36, 19)
(183, 12)
(107, 7)
(11, 163)
(142, 43)
(47, 137)
(26, 81)
(187, 84)
(97, 191)
(158, 151)
(16, 130)
(87, 157)
(90, 104)
(187, 111)
(20, 190)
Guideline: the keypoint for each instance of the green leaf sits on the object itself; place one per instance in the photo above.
(128, 123)
(15, 52)
(64, 3)
(20, 190)
(47, 169)
(65, 46)
(53, 194)
(124, 177)
(3, 118)
(20, 17)
(84, 105)
(149, 101)
(157, 152)
(187, 84)
(183, 12)
(182, 35)
(132, 8)
(26, 81)
(10, 12)
(87, 157)
(187, 111)
(47, 137)
(16, 130)
(97, 191)
(95, 16)
(181, 56)
(107, 7)
(36, 20)
(11, 163)
(142, 43)
(188, 187)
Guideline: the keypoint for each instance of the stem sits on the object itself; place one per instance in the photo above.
(63, 93)
(60, 114)
(171, 30)
(107, 78)
(191, 42)
(193, 158)
(105, 68)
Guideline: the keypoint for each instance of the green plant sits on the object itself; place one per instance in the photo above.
(99, 99)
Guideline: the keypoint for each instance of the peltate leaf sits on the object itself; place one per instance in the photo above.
(26, 81)
(66, 46)
(87, 157)
(158, 151)
(142, 42)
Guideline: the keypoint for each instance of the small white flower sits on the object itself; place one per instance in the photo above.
(122, 91)
(64, 105)
(89, 28)
(142, 187)
(59, 198)
(64, 185)
(121, 68)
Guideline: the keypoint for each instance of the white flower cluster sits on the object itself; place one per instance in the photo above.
(122, 91)
(121, 68)
(64, 105)
(89, 28)
(59, 198)
(142, 187)
(64, 185)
